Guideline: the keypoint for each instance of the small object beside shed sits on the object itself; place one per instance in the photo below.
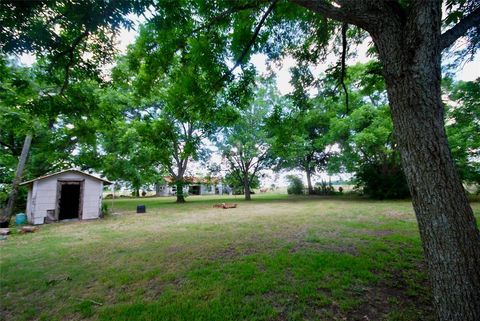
(20, 219)
(28, 229)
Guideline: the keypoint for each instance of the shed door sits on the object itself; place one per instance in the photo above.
(70, 200)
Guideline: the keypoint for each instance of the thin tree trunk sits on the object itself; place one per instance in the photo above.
(449, 233)
(309, 181)
(246, 187)
(18, 177)
(180, 195)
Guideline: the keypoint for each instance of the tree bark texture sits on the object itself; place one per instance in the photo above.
(18, 178)
(450, 237)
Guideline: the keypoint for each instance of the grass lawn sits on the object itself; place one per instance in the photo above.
(275, 258)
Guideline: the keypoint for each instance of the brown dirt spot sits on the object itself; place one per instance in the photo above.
(381, 299)
(154, 288)
(377, 302)
(232, 252)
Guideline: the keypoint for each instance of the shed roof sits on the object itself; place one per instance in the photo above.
(65, 171)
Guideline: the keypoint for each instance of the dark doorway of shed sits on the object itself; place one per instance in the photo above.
(69, 202)
(194, 190)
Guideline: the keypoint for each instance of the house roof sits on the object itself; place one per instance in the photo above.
(194, 180)
(65, 171)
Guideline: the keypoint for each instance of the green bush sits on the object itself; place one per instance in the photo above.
(295, 185)
(323, 188)
(382, 181)
(105, 210)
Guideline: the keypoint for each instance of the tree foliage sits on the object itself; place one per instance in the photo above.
(463, 127)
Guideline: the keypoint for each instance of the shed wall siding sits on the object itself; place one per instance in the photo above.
(44, 198)
(92, 198)
(28, 210)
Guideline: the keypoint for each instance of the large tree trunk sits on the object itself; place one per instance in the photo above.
(409, 45)
(411, 55)
(246, 187)
(18, 177)
(179, 180)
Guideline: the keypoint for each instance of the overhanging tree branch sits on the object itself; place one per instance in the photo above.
(343, 63)
(355, 12)
(71, 61)
(451, 35)
(73, 46)
(252, 40)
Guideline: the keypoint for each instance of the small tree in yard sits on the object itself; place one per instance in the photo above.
(245, 145)
(295, 185)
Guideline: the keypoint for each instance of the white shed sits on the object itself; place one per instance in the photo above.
(69, 194)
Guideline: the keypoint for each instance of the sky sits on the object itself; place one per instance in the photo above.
(468, 71)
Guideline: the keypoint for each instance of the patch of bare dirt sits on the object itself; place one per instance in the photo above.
(382, 299)
(154, 288)
(386, 300)
(233, 251)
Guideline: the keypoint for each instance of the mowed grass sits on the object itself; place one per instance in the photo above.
(275, 258)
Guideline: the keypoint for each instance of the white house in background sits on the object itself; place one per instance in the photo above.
(69, 194)
(196, 186)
